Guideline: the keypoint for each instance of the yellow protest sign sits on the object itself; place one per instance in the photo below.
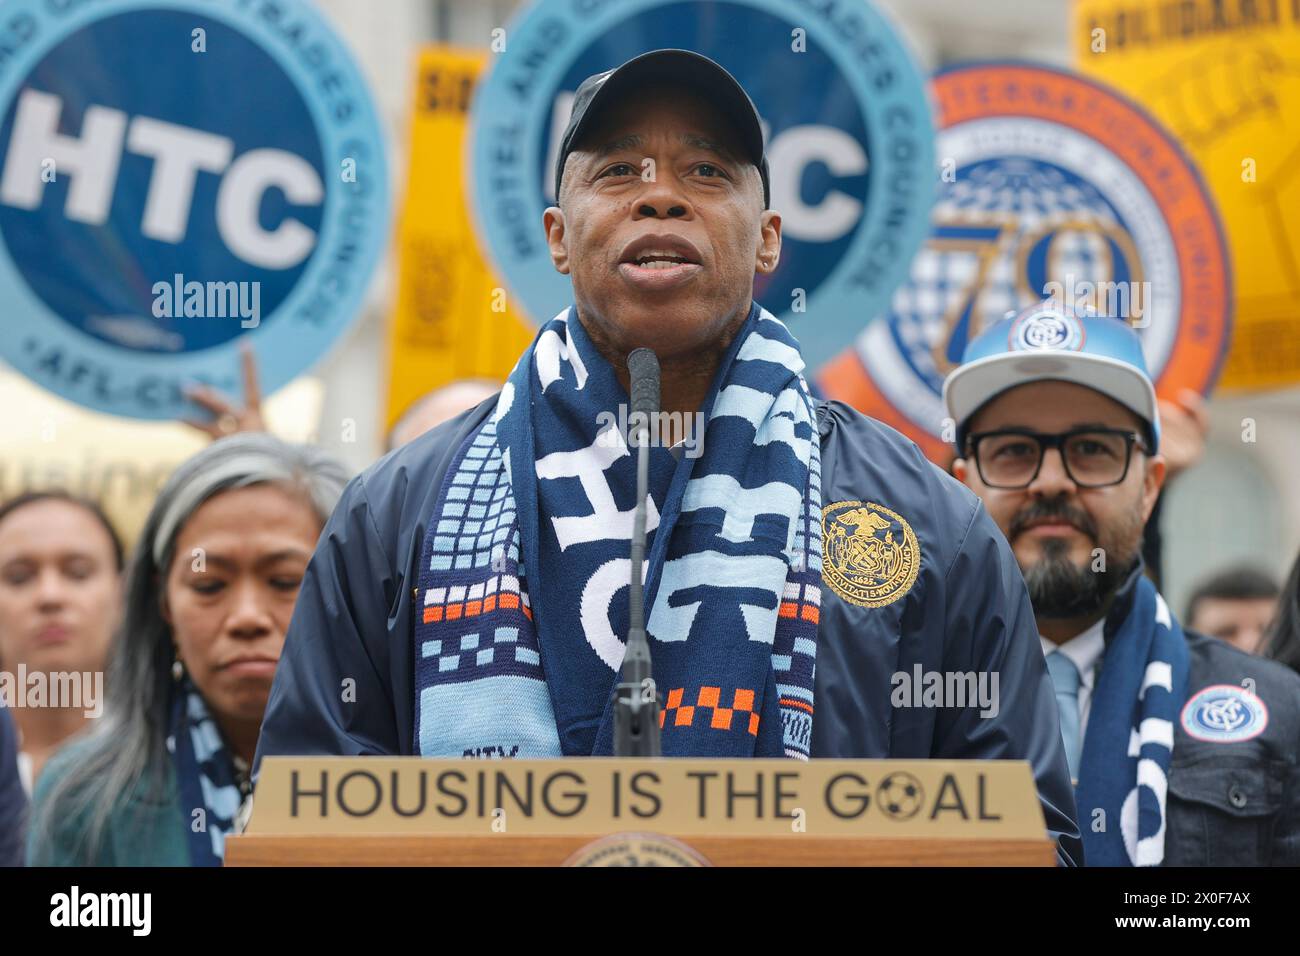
(1224, 77)
(452, 318)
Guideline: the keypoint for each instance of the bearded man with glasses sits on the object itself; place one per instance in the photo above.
(1183, 749)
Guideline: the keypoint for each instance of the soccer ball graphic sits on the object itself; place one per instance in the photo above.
(900, 796)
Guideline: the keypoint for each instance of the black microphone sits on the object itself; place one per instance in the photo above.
(636, 699)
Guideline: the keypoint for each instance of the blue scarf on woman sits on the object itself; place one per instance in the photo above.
(1124, 767)
(205, 775)
(523, 590)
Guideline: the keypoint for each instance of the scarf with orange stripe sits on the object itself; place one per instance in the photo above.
(524, 583)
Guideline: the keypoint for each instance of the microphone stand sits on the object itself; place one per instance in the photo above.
(636, 699)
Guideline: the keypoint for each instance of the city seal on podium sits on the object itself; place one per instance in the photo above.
(636, 849)
(870, 554)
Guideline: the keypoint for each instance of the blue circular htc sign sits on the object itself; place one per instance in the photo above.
(847, 123)
(177, 176)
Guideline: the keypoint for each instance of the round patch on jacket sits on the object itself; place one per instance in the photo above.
(870, 555)
(1224, 714)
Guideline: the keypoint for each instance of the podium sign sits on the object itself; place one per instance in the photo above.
(378, 810)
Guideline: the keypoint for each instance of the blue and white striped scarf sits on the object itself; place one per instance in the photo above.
(1124, 767)
(205, 776)
(523, 592)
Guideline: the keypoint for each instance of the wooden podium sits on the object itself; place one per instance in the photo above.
(407, 811)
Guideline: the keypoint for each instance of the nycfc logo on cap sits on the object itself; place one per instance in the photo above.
(177, 176)
(844, 114)
(1043, 329)
(1224, 714)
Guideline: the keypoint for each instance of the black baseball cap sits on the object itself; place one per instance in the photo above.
(680, 68)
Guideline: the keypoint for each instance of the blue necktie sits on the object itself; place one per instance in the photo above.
(1065, 678)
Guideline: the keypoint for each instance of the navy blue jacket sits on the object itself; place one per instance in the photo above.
(13, 799)
(1237, 803)
(1231, 802)
(967, 611)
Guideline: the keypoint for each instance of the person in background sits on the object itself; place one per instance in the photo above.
(210, 589)
(13, 800)
(60, 598)
(1282, 641)
(1184, 425)
(1234, 605)
(1185, 750)
(437, 407)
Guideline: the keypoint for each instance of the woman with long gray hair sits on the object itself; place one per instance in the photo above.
(209, 594)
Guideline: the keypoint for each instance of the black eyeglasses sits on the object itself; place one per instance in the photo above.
(1011, 458)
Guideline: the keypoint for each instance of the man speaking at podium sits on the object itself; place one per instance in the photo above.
(470, 595)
